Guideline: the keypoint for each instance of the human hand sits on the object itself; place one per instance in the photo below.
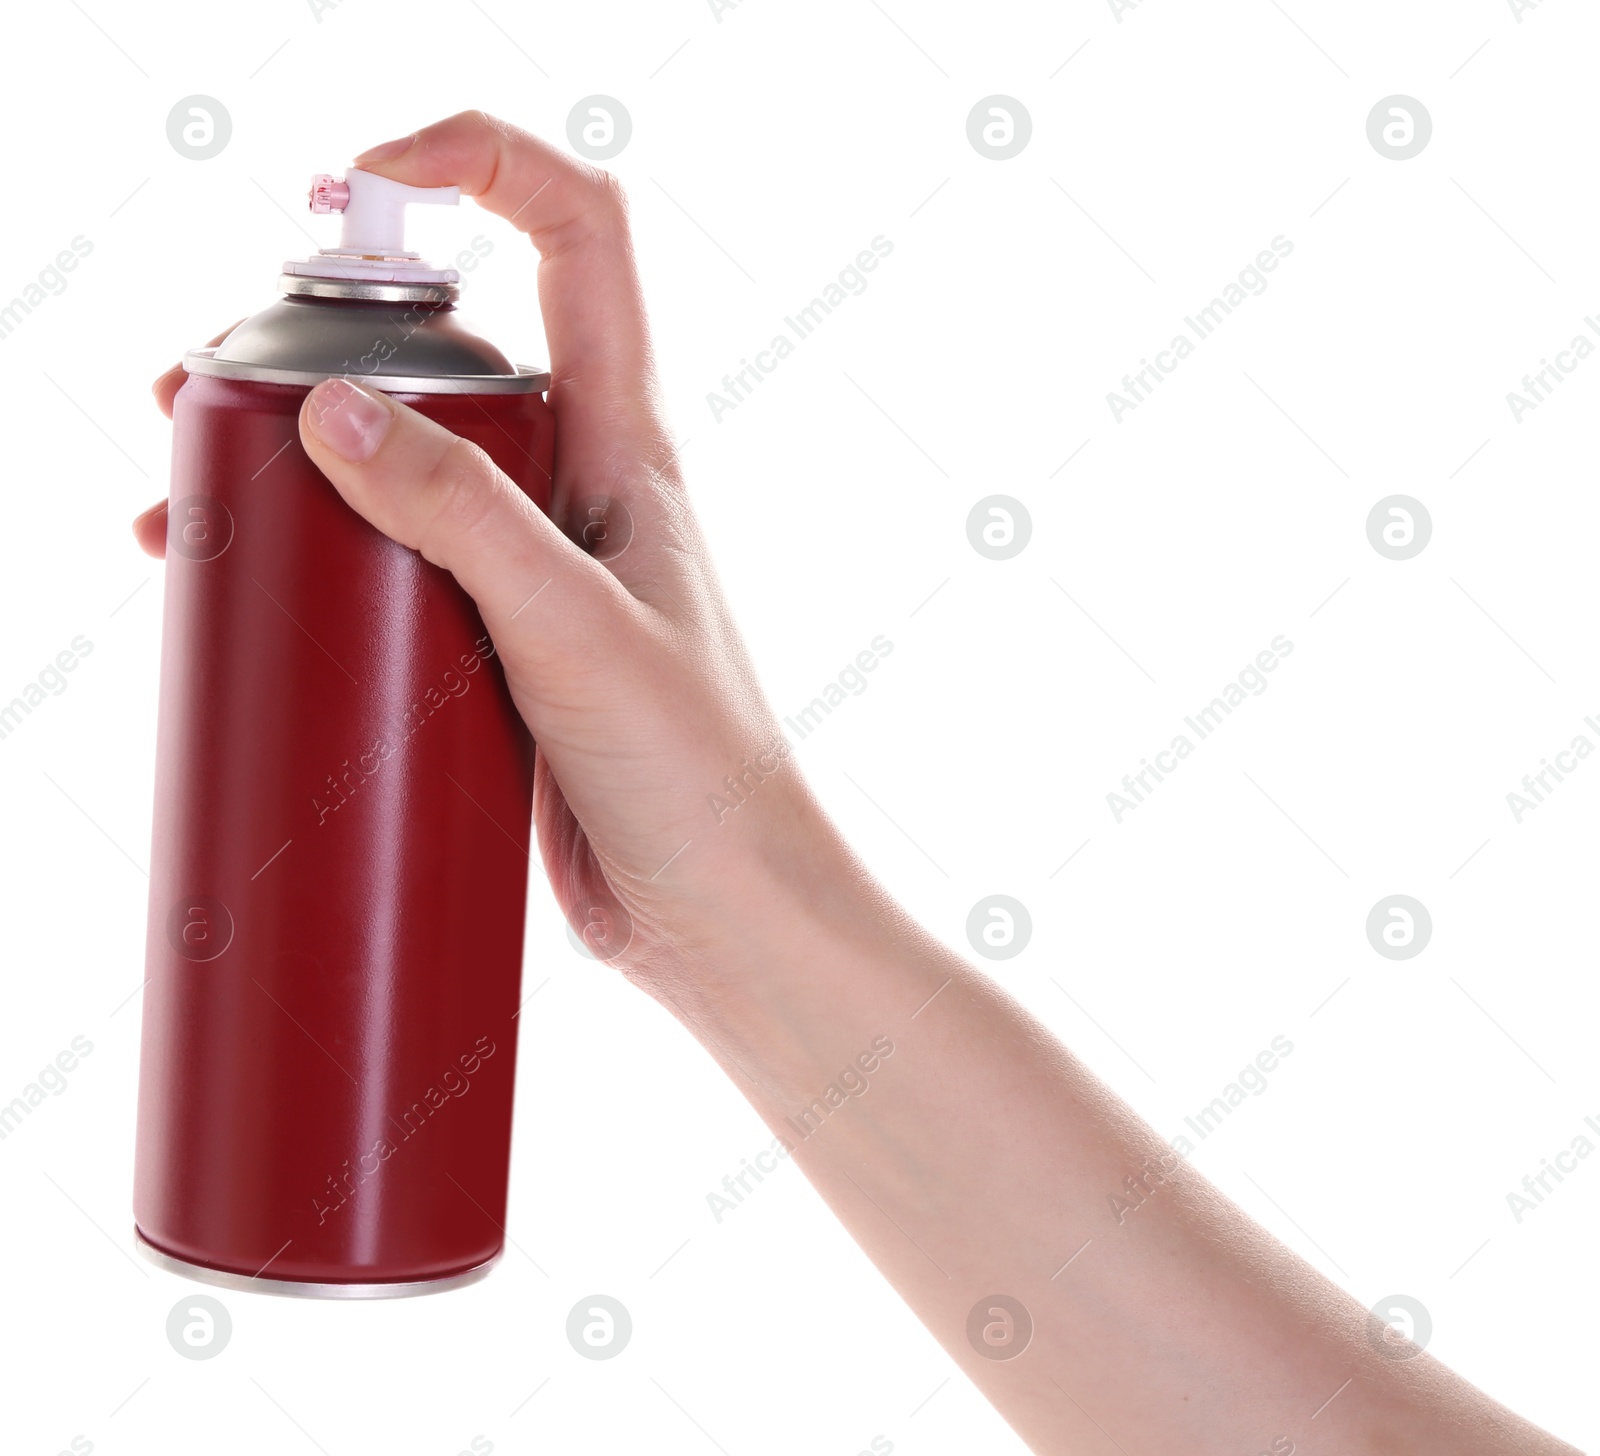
(623, 661)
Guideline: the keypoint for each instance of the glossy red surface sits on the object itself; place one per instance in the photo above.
(339, 867)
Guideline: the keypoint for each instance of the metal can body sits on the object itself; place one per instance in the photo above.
(338, 872)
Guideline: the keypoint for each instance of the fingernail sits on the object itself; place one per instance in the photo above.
(386, 151)
(348, 420)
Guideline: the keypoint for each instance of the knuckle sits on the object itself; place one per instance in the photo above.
(605, 199)
(460, 490)
(483, 120)
(614, 195)
(594, 208)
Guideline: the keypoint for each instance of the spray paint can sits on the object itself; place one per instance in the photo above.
(343, 807)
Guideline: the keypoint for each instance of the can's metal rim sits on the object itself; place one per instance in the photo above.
(526, 380)
(366, 290)
(302, 1289)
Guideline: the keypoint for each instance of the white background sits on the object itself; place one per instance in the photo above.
(769, 146)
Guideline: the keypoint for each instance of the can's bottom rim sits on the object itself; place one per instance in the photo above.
(304, 1289)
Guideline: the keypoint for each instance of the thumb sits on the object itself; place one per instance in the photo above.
(541, 597)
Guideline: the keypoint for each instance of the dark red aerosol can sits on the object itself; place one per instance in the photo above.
(342, 814)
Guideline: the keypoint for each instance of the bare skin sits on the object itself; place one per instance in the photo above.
(984, 1153)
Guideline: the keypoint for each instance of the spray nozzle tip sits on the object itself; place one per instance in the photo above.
(329, 193)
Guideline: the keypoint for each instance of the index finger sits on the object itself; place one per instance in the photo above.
(601, 367)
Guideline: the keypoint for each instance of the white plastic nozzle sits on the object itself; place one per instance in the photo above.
(374, 209)
(372, 242)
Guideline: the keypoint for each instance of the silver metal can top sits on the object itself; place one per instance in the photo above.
(402, 337)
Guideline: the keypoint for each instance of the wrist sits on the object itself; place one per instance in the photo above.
(794, 960)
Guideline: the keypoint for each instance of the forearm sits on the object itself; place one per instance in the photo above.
(977, 1157)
